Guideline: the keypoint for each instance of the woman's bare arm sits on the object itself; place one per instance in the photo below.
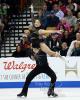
(44, 32)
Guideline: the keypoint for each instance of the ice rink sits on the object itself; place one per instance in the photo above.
(41, 94)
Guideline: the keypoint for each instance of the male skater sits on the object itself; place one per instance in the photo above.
(39, 51)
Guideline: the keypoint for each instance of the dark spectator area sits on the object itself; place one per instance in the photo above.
(8, 8)
(61, 15)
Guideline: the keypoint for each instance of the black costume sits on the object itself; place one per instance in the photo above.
(41, 67)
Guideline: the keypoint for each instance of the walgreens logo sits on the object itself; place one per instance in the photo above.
(12, 65)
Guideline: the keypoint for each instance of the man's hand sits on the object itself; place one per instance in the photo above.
(57, 54)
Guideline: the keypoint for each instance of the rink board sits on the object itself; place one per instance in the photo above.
(13, 72)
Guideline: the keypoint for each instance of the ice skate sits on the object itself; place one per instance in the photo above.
(22, 95)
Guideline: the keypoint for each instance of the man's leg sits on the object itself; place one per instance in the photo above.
(31, 75)
(51, 74)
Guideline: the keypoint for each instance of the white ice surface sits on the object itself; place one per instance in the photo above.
(41, 94)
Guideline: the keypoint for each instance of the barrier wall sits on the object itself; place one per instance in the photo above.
(13, 72)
